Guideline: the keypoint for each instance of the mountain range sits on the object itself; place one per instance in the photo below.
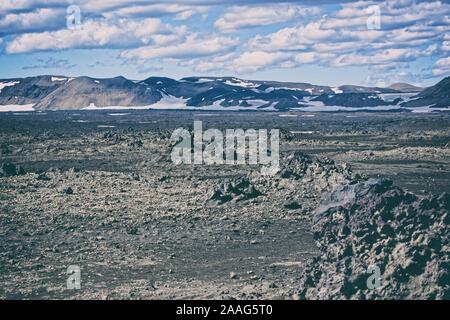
(64, 93)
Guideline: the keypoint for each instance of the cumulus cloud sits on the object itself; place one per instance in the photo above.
(180, 12)
(410, 30)
(253, 61)
(442, 67)
(193, 45)
(241, 17)
(149, 32)
(87, 5)
(7, 6)
(380, 57)
(383, 76)
(38, 20)
(33, 13)
(394, 14)
(97, 34)
(214, 63)
(20, 5)
(293, 38)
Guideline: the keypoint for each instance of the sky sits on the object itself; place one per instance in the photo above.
(332, 43)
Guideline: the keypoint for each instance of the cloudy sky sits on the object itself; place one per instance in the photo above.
(322, 42)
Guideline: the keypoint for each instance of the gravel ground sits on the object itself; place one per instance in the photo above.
(98, 191)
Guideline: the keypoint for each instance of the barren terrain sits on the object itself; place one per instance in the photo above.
(99, 191)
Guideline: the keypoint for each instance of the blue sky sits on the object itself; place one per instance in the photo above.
(321, 42)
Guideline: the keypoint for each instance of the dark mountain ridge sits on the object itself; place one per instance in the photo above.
(62, 93)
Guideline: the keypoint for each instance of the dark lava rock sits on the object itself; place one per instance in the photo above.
(4, 149)
(371, 224)
(163, 178)
(136, 143)
(135, 176)
(352, 100)
(42, 176)
(295, 165)
(67, 190)
(235, 190)
(9, 170)
(113, 136)
(291, 204)
(132, 230)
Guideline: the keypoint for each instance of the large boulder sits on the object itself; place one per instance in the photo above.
(372, 225)
(236, 189)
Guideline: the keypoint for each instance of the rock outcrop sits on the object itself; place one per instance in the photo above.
(234, 190)
(371, 226)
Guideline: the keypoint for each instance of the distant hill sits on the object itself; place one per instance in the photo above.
(221, 93)
(85, 91)
(28, 90)
(405, 87)
(437, 96)
(354, 100)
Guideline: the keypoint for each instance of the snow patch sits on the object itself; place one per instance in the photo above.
(16, 107)
(8, 84)
(270, 89)
(204, 80)
(427, 109)
(336, 90)
(324, 108)
(302, 132)
(240, 83)
(58, 79)
(392, 96)
(167, 102)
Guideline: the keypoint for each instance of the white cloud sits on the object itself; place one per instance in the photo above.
(193, 45)
(340, 47)
(394, 14)
(213, 63)
(350, 45)
(379, 57)
(410, 30)
(383, 77)
(295, 38)
(95, 34)
(312, 57)
(250, 62)
(180, 12)
(442, 67)
(241, 17)
(39, 19)
(7, 6)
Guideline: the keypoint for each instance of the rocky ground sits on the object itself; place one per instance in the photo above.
(98, 190)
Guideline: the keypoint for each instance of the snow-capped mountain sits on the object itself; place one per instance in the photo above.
(218, 93)
(437, 96)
